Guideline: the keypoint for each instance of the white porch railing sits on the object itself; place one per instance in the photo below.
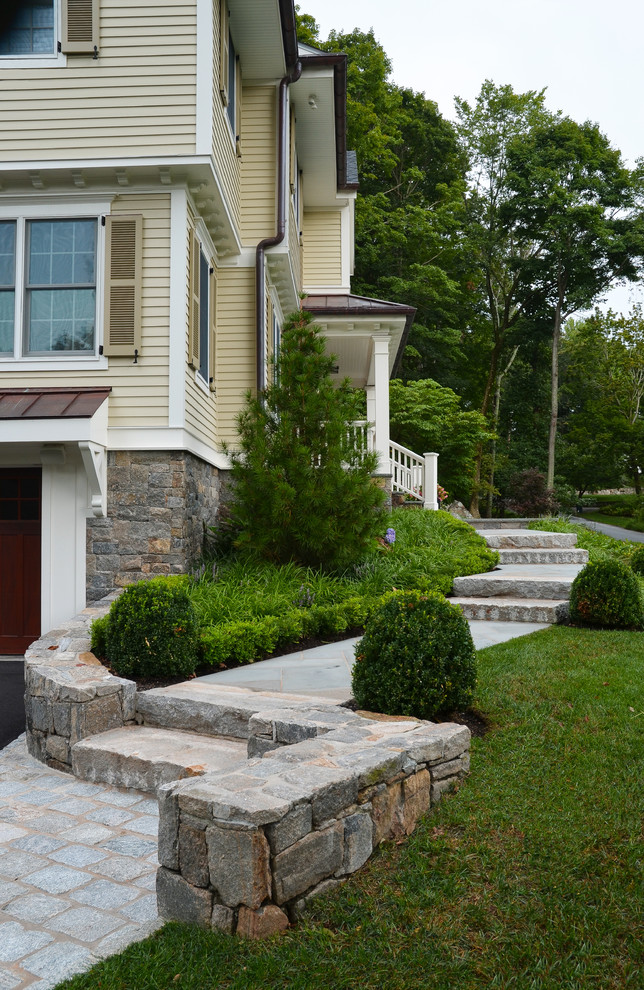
(411, 474)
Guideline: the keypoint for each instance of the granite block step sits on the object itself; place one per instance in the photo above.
(549, 555)
(143, 758)
(519, 581)
(528, 538)
(210, 709)
(507, 609)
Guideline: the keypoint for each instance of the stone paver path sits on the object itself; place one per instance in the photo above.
(77, 871)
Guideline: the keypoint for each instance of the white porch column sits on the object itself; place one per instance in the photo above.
(381, 400)
(430, 499)
(371, 412)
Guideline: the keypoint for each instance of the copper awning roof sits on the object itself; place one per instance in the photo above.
(51, 403)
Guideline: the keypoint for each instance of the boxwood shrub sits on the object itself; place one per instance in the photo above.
(416, 657)
(152, 630)
(606, 594)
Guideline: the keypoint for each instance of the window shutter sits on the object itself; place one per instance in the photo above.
(80, 27)
(224, 36)
(238, 106)
(194, 275)
(123, 262)
(292, 156)
(212, 302)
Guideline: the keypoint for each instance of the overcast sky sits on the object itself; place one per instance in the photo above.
(587, 53)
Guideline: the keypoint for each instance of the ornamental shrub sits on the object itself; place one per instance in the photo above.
(606, 594)
(152, 630)
(416, 657)
(303, 481)
(637, 559)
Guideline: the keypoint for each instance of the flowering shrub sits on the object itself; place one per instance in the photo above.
(416, 657)
(441, 494)
(606, 594)
(390, 535)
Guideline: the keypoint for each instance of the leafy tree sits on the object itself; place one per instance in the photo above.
(602, 393)
(427, 416)
(578, 206)
(303, 488)
(486, 130)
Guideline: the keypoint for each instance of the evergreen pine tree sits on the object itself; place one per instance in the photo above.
(303, 484)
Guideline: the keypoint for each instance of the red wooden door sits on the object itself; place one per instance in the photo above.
(20, 513)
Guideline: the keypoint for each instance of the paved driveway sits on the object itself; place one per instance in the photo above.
(12, 699)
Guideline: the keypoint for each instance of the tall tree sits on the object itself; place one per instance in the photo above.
(486, 130)
(579, 208)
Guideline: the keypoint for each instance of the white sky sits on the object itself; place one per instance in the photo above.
(587, 53)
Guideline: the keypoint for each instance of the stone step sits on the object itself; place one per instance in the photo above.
(507, 609)
(519, 581)
(485, 524)
(216, 709)
(528, 538)
(549, 555)
(144, 758)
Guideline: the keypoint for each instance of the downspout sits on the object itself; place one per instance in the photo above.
(268, 242)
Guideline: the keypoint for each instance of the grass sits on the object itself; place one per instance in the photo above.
(530, 877)
(599, 545)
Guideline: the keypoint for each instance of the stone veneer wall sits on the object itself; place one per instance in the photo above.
(158, 505)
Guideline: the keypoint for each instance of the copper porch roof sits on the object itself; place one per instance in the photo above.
(345, 304)
(51, 403)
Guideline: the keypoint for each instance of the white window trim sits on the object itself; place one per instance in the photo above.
(22, 210)
(51, 60)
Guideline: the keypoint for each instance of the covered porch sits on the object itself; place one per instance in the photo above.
(368, 337)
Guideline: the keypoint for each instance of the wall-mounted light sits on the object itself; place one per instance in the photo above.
(313, 101)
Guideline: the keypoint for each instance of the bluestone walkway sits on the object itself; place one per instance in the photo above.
(77, 871)
(326, 670)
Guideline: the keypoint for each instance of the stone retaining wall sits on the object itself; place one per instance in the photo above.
(69, 695)
(244, 850)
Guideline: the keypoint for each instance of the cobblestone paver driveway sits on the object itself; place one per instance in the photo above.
(77, 871)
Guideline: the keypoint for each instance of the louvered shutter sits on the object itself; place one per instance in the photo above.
(238, 106)
(123, 254)
(80, 27)
(224, 38)
(212, 322)
(194, 279)
(292, 154)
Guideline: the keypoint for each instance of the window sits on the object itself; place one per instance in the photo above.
(48, 286)
(232, 85)
(202, 298)
(29, 30)
(277, 343)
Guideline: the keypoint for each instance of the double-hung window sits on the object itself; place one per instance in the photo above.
(48, 287)
(29, 29)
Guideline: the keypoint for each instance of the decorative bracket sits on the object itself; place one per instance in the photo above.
(95, 463)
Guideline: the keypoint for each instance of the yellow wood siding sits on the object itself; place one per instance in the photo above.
(137, 98)
(258, 168)
(223, 140)
(235, 359)
(322, 235)
(295, 249)
(139, 395)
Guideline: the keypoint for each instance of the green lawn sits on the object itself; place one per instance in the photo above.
(530, 877)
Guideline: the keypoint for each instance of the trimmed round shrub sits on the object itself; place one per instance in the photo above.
(416, 657)
(606, 594)
(152, 631)
(637, 559)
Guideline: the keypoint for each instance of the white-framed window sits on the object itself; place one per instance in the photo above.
(202, 314)
(50, 285)
(277, 343)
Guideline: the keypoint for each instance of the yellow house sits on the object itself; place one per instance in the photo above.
(173, 178)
